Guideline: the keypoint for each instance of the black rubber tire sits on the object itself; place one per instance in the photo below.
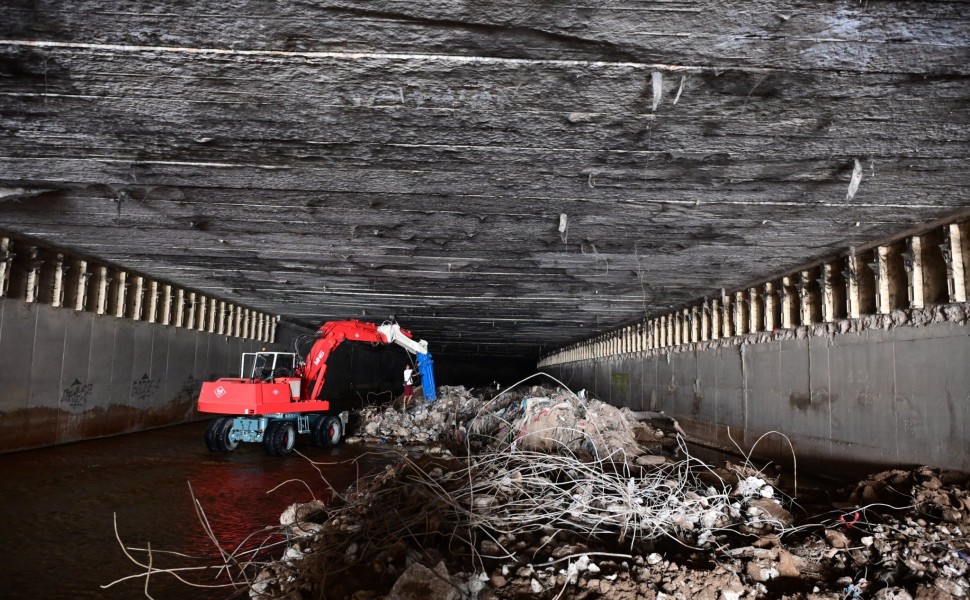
(217, 435)
(279, 438)
(329, 432)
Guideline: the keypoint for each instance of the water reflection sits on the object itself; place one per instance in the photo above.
(58, 505)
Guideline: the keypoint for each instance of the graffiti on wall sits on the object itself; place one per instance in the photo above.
(77, 394)
(143, 389)
(189, 391)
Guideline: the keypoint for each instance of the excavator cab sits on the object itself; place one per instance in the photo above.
(265, 366)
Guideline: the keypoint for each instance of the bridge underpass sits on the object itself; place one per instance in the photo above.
(576, 187)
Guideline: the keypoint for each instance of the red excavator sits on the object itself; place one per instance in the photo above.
(276, 395)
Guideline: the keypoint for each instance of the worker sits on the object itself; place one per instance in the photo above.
(408, 385)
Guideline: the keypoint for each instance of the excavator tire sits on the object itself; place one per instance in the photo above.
(217, 435)
(279, 438)
(329, 432)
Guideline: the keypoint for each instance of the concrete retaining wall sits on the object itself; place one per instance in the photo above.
(69, 375)
(883, 397)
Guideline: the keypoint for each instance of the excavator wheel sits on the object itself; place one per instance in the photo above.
(217, 435)
(279, 438)
(328, 432)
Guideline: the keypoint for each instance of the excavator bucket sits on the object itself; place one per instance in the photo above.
(426, 368)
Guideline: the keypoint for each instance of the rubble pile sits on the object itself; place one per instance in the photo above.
(550, 505)
(540, 418)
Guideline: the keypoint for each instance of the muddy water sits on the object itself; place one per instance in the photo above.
(57, 507)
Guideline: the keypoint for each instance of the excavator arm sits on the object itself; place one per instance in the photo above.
(333, 333)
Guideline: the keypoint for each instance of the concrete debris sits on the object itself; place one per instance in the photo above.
(513, 519)
(539, 419)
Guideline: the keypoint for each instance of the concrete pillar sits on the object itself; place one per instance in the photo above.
(770, 297)
(57, 288)
(727, 315)
(756, 318)
(880, 267)
(853, 297)
(166, 316)
(83, 276)
(789, 307)
(695, 324)
(138, 300)
(6, 264)
(33, 275)
(827, 288)
(678, 329)
(152, 315)
(740, 314)
(715, 319)
(180, 307)
(913, 264)
(706, 321)
(213, 308)
(121, 289)
(807, 299)
(955, 263)
(221, 318)
(190, 310)
(103, 280)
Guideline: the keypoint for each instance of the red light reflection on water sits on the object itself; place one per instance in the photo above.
(246, 492)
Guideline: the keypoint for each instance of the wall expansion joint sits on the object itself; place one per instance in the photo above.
(36, 273)
(912, 281)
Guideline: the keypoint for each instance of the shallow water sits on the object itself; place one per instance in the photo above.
(58, 506)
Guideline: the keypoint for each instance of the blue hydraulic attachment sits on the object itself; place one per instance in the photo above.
(426, 369)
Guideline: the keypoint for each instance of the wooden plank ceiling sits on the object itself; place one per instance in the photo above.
(345, 159)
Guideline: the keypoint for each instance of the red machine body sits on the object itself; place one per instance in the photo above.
(298, 393)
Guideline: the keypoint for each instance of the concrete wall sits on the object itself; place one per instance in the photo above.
(880, 396)
(69, 375)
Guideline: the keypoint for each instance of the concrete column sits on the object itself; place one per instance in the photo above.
(180, 307)
(57, 289)
(740, 314)
(81, 299)
(139, 293)
(211, 323)
(727, 316)
(166, 316)
(827, 287)
(221, 318)
(788, 304)
(230, 319)
(33, 275)
(955, 263)
(695, 324)
(152, 316)
(715, 319)
(191, 307)
(756, 318)
(853, 297)
(678, 329)
(121, 289)
(201, 307)
(881, 269)
(770, 297)
(913, 264)
(706, 321)
(101, 304)
(6, 264)
(806, 298)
